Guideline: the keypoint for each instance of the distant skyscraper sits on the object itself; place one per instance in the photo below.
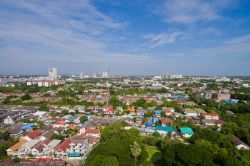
(105, 74)
(53, 73)
(109, 72)
(81, 76)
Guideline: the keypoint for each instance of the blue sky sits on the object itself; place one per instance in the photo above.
(139, 37)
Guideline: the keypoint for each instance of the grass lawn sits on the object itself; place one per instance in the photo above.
(153, 153)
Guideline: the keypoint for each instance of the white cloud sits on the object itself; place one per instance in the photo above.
(238, 46)
(64, 32)
(162, 38)
(191, 11)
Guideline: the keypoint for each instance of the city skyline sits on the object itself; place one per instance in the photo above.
(193, 37)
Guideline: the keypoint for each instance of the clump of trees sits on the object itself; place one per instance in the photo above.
(115, 148)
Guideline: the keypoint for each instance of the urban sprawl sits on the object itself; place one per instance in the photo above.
(60, 120)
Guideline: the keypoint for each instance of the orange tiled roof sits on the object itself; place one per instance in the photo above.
(73, 127)
(18, 145)
(131, 109)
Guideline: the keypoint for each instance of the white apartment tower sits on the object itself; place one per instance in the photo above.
(53, 73)
(105, 74)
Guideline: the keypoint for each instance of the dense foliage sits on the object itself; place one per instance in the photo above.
(115, 147)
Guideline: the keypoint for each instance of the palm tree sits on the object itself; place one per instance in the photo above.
(136, 150)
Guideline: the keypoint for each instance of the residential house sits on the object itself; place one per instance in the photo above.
(79, 146)
(90, 132)
(33, 135)
(60, 124)
(50, 147)
(191, 113)
(16, 132)
(177, 114)
(26, 148)
(239, 144)
(37, 150)
(28, 126)
(108, 110)
(219, 123)
(169, 111)
(166, 121)
(8, 120)
(40, 114)
(131, 110)
(163, 130)
(13, 150)
(212, 116)
(63, 149)
(140, 111)
(157, 112)
(186, 132)
(209, 122)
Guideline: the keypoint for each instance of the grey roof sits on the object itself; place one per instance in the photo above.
(30, 144)
(54, 143)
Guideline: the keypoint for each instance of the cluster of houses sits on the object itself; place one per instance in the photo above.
(37, 141)
(40, 144)
(162, 121)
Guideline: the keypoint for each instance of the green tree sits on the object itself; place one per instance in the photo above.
(115, 102)
(83, 119)
(135, 150)
(26, 97)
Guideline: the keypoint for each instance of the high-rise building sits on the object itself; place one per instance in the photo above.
(105, 74)
(53, 73)
(81, 76)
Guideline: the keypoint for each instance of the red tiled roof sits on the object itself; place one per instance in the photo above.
(92, 131)
(34, 134)
(64, 145)
(221, 122)
(42, 160)
(166, 121)
(41, 145)
(62, 122)
(180, 100)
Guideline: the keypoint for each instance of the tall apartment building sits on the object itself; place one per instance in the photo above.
(53, 73)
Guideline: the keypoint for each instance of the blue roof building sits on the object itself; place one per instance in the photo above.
(165, 128)
(230, 101)
(186, 132)
(148, 130)
(74, 155)
(71, 119)
(28, 126)
(155, 119)
(149, 124)
(158, 111)
(178, 97)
